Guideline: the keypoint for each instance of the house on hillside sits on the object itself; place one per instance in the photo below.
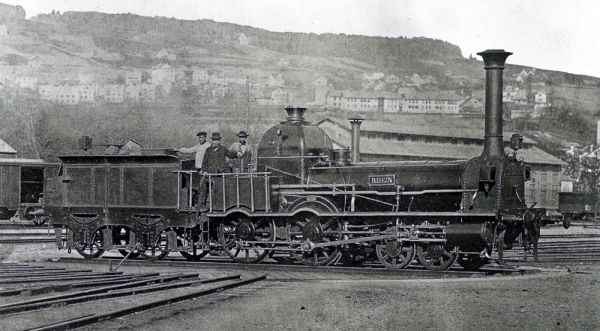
(446, 102)
(199, 76)
(406, 90)
(472, 105)
(29, 82)
(243, 40)
(392, 79)
(320, 82)
(133, 77)
(165, 74)
(165, 54)
(275, 81)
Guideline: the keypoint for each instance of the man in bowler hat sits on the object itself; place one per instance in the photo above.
(215, 161)
(243, 151)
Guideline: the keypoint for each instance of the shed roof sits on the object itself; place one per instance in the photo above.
(6, 148)
(435, 126)
(444, 151)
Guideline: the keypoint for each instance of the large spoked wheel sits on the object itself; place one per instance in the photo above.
(91, 250)
(242, 228)
(395, 254)
(434, 256)
(309, 227)
(471, 262)
(159, 250)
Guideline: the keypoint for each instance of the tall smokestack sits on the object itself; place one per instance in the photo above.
(494, 60)
(355, 148)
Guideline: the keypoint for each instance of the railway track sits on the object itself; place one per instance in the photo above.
(16, 234)
(580, 248)
(288, 271)
(68, 300)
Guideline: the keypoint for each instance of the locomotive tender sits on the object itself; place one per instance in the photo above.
(306, 200)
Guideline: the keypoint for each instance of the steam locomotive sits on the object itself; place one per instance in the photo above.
(305, 200)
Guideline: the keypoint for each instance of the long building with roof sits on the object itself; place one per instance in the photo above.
(450, 139)
(447, 102)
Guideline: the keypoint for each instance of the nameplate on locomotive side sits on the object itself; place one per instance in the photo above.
(382, 180)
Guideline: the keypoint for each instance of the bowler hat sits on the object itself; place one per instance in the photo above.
(201, 134)
(215, 136)
(242, 134)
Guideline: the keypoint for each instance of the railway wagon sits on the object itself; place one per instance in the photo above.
(134, 203)
(576, 205)
(22, 188)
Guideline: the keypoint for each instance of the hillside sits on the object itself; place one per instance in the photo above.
(64, 49)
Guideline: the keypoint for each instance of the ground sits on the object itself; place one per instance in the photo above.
(565, 297)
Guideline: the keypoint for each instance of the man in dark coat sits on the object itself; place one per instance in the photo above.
(215, 161)
(215, 156)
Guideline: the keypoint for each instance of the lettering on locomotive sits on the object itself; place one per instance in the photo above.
(382, 180)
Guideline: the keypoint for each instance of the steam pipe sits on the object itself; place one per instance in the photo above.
(355, 122)
(494, 60)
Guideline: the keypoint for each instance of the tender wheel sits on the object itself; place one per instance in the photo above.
(159, 250)
(196, 253)
(434, 256)
(194, 256)
(308, 227)
(121, 236)
(394, 254)
(242, 228)
(471, 262)
(91, 250)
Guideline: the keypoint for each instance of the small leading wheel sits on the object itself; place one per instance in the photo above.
(91, 250)
(395, 254)
(434, 256)
(471, 262)
(159, 250)
(242, 228)
(308, 227)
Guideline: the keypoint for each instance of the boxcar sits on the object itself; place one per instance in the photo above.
(22, 188)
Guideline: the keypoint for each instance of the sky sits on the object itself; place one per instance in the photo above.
(550, 34)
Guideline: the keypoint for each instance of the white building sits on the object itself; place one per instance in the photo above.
(432, 102)
(166, 74)
(392, 79)
(165, 54)
(243, 40)
(133, 77)
(87, 93)
(26, 82)
(113, 93)
(199, 76)
(275, 81)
